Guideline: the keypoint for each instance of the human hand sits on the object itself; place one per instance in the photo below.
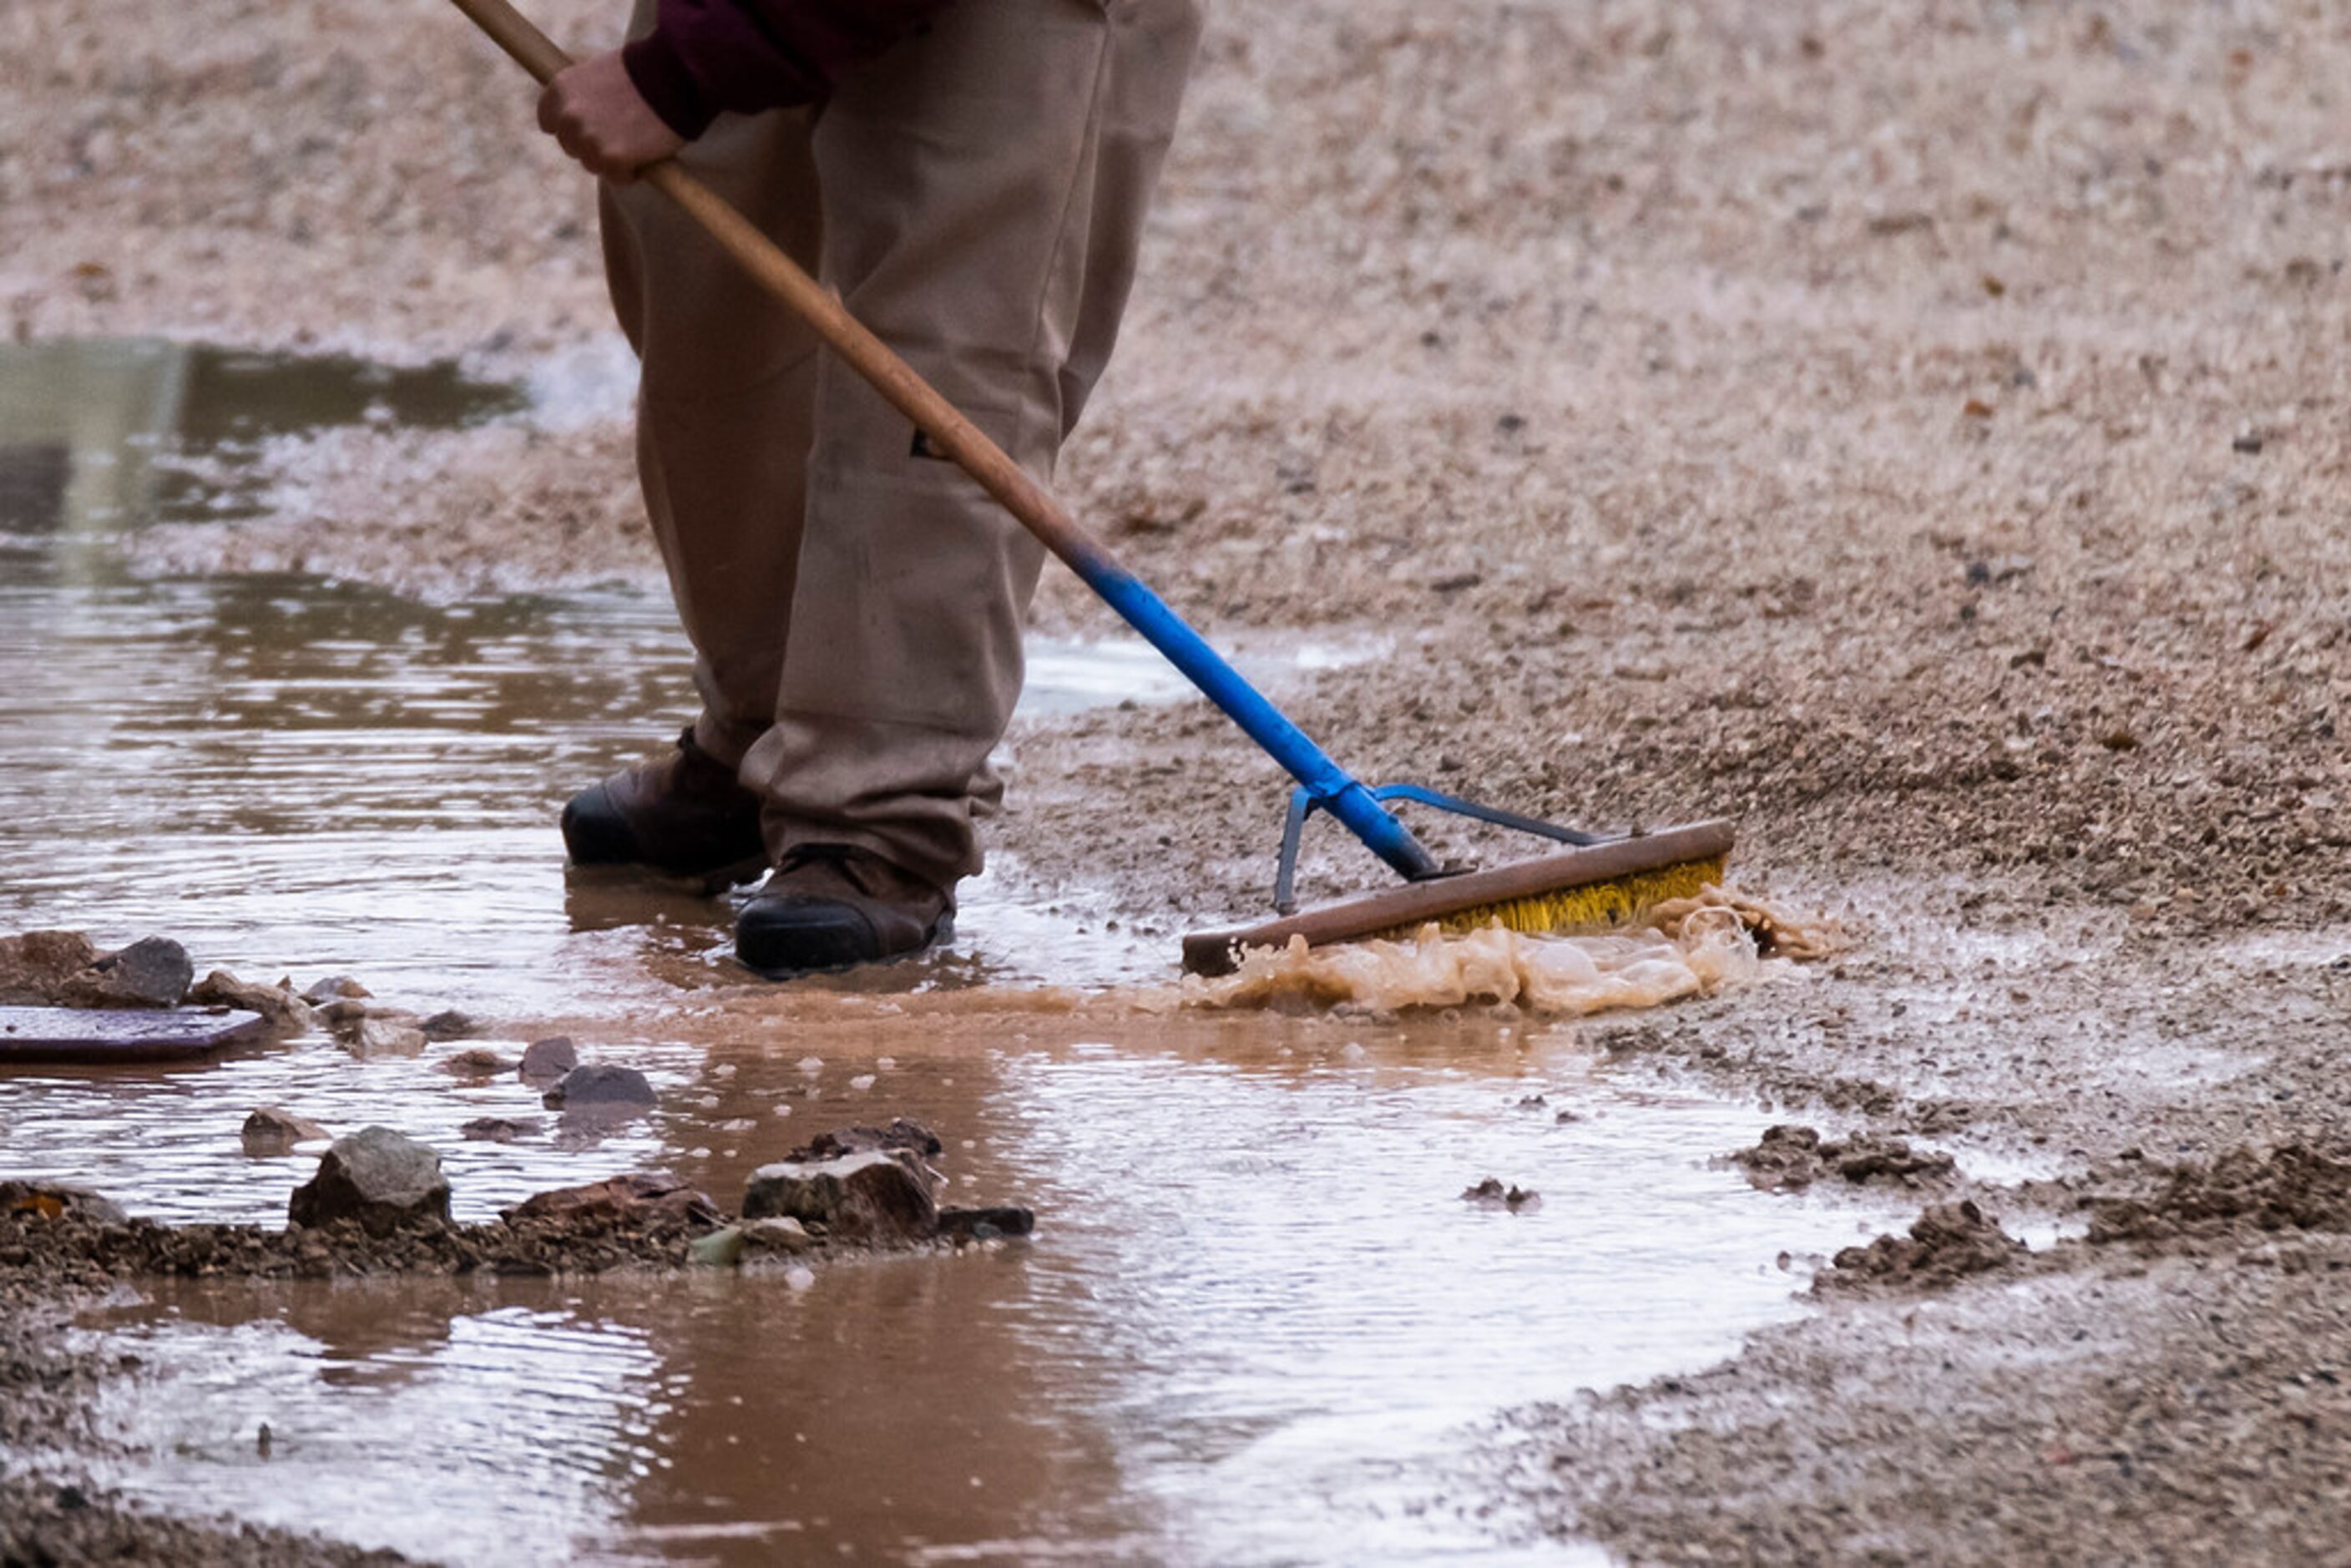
(597, 113)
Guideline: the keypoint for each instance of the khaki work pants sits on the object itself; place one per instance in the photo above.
(977, 196)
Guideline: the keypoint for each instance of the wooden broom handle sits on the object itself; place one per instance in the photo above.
(821, 308)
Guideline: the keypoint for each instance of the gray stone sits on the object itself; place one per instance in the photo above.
(270, 1131)
(878, 1195)
(152, 972)
(55, 1200)
(545, 1062)
(600, 1087)
(287, 1013)
(334, 988)
(377, 1177)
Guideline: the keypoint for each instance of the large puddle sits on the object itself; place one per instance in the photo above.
(1256, 1320)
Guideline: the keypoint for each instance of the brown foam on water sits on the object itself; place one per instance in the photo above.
(1700, 946)
(1697, 946)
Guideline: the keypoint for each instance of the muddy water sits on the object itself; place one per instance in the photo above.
(1254, 1325)
(1257, 1318)
(284, 771)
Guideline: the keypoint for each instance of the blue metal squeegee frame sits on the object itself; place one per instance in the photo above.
(1323, 784)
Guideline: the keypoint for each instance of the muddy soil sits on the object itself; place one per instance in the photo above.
(1916, 431)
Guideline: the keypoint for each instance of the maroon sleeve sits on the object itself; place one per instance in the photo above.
(708, 56)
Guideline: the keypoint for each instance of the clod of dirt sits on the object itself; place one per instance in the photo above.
(35, 966)
(873, 1196)
(64, 969)
(1949, 1242)
(545, 1062)
(902, 1133)
(634, 1198)
(270, 1131)
(54, 1200)
(1491, 1193)
(2291, 1187)
(376, 1176)
(1791, 1158)
(480, 1061)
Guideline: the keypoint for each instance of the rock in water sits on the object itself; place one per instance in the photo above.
(334, 988)
(378, 1177)
(878, 1195)
(287, 1013)
(500, 1129)
(152, 972)
(545, 1062)
(449, 1024)
(270, 1131)
(720, 1250)
(387, 1034)
(601, 1088)
(986, 1224)
(784, 1236)
(475, 1061)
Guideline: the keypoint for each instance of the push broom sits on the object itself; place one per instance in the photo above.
(1598, 880)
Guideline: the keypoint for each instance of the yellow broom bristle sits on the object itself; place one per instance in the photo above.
(1607, 906)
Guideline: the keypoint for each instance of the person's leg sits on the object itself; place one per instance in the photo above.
(725, 417)
(984, 184)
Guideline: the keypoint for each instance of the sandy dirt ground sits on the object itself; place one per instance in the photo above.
(1918, 431)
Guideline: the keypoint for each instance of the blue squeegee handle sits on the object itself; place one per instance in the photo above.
(1331, 787)
(1327, 784)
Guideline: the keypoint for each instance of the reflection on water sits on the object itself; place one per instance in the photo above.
(1254, 1326)
(99, 435)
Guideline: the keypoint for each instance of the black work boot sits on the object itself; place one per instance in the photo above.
(828, 906)
(684, 814)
